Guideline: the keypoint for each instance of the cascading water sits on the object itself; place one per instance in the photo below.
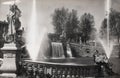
(69, 52)
(57, 50)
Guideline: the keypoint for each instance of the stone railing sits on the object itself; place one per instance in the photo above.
(35, 69)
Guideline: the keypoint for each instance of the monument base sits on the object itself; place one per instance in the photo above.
(9, 57)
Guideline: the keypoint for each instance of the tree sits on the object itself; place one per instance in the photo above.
(60, 18)
(71, 25)
(103, 29)
(114, 26)
(65, 23)
(87, 26)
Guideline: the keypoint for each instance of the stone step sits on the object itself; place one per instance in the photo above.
(8, 75)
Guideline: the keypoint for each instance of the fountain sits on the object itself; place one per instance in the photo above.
(62, 66)
(58, 63)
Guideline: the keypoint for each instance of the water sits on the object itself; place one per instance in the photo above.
(57, 50)
(107, 47)
(105, 42)
(69, 52)
(35, 35)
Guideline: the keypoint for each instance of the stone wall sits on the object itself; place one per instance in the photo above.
(88, 50)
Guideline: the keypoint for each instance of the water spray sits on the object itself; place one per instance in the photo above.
(34, 35)
(108, 7)
(106, 43)
(31, 33)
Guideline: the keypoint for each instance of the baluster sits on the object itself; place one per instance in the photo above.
(35, 70)
(73, 72)
(25, 69)
(54, 73)
(82, 71)
(63, 76)
(77, 73)
(45, 69)
(49, 72)
(88, 71)
(41, 71)
(59, 73)
(30, 72)
(68, 73)
(85, 71)
(73, 76)
(64, 73)
(77, 76)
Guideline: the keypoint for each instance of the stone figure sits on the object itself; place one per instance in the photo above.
(14, 22)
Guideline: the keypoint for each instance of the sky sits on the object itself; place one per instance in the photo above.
(116, 4)
(45, 9)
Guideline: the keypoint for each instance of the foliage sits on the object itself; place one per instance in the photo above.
(115, 23)
(103, 29)
(114, 26)
(60, 18)
(67, 24)
(72, 25)
(87, 26)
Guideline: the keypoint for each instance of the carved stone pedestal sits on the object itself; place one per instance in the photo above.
(8, 68)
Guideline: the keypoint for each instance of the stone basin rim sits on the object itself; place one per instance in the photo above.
(59, 64)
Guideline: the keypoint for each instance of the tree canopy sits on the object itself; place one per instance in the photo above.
(65, 22)
(114, 25)
(72, 25)
(60, 18)
(87, 26)
(68, 25)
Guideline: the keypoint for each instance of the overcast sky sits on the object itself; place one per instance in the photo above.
(45, 9)
(116, 4)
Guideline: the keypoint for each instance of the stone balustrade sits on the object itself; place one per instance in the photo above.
(56, 70)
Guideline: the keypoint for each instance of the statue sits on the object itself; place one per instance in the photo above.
(12, 35)
(14, 23)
